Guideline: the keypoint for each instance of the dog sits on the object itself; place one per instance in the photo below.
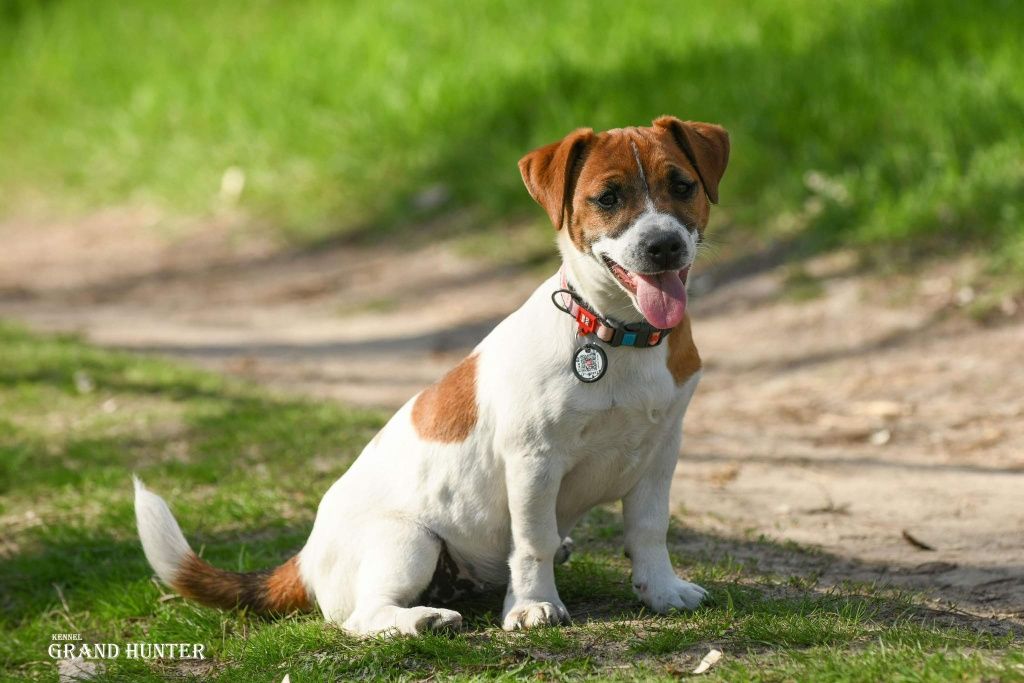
(574, 400)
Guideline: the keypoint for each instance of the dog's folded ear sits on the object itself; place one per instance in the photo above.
(705, 145)
(550, 173)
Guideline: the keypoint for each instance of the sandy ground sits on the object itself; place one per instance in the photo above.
(888, 436)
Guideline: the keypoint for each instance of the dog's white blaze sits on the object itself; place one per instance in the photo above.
(649, 203)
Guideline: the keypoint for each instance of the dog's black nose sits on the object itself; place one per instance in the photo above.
(666, 251)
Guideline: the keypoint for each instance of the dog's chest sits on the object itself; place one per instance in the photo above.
(609, 438)
(617, 429)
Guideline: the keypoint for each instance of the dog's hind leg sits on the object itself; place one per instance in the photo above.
(398, 563)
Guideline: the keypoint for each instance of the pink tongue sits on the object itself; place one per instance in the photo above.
(662, 298)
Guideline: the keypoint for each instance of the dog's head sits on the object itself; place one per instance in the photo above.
(632, 205)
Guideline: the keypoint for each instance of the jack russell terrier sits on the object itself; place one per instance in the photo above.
(574, 400)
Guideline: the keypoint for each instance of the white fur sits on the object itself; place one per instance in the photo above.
(162, 541)
(545, 449)
(625, 249)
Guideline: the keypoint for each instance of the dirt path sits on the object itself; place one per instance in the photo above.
(845, 423)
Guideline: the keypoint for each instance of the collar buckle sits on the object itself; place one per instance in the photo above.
(586, 320)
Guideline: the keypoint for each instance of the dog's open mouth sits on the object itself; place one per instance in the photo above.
(661, 297)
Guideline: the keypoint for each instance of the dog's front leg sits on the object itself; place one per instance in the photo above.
(645, 511)
(532, 481)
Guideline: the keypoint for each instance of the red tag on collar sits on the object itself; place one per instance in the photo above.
(587, 320)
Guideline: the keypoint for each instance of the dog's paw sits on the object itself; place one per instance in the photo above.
(418, 620)
(534, 614)
(671, 594)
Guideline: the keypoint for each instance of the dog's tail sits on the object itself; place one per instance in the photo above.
(276, 591)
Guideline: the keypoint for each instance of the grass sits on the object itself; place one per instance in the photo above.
(244, 471)
(878, 122)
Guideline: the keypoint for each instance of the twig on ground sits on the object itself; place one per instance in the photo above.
(919, 544)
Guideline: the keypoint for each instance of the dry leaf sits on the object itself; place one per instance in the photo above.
(880, 438)
(78, 669)
(883, 409)
(710, 659)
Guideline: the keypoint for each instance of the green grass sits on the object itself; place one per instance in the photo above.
(244, 471)
(885, 122)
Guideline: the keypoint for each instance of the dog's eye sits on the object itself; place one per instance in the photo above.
(608, 199)
(682, 189)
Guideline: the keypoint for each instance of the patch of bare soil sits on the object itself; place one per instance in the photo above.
(888, 435)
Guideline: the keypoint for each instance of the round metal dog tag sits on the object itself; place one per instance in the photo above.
(589, 363)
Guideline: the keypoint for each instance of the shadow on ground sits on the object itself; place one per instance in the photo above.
(95, 570)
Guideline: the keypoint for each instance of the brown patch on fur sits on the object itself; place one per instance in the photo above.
(683, 358)
(277, 591)
(285, 590)
(705, 145)
(550, 173)
(446, 411)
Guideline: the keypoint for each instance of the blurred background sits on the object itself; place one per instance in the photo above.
(877, 122)
(323, 197)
